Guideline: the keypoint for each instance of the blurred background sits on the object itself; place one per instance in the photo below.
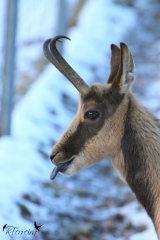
(37, 104)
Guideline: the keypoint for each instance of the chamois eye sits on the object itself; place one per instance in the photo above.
(93, 115)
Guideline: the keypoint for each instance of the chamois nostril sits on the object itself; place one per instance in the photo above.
(53, 155)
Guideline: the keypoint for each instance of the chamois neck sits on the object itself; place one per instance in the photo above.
(141, 152)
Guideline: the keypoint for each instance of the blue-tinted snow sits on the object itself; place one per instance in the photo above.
(22, 166)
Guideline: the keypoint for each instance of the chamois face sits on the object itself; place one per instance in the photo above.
(94, 132)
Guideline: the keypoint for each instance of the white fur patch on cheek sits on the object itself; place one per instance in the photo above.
(79, 162)
(94, 150)
(70, 171)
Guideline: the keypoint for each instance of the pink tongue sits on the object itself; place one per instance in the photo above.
(57, 169)
(53, 173)
(60, 167)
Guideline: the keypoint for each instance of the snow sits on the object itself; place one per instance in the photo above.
(41, 117)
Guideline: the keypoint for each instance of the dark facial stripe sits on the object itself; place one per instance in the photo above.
(88, 129)
(77, 140)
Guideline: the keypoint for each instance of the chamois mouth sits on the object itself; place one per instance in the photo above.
(60, 168)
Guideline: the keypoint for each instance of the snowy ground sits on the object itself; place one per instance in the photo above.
(95, 203)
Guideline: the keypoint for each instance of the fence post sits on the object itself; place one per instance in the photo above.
(8, 67)
(62, 23)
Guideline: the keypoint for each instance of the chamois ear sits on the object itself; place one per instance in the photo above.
(126, 66)
(115, 62)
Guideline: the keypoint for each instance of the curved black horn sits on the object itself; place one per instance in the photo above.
(52, 54)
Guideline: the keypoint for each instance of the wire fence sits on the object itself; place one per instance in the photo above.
(34, 24)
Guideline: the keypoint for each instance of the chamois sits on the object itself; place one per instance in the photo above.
(111, 123)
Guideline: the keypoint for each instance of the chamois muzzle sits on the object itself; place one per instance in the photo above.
(52, 54)
(60, 168)
(53, 154)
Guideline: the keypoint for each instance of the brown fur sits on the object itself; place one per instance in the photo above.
(124, 132)
(141, 151)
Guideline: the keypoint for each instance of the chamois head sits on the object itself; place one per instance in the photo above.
(96, 130)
